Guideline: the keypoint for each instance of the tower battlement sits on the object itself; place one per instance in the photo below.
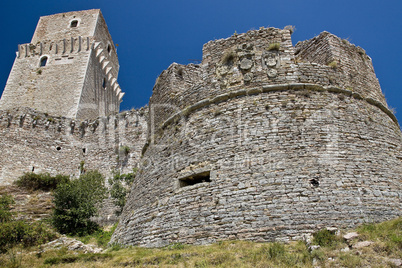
(70, 68)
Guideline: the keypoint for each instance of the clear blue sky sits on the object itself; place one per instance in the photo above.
(153, 34)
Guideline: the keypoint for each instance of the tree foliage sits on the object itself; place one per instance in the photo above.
(5, 206)
(76, 202)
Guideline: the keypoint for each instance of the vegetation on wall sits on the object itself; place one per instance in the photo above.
(42, 181)
(120, 188)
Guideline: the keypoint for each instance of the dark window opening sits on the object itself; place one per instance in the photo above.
(84, 150)
(104, 83)
(315, 182)
(43, 62)
(109, 48)
(58, 148)
(194, 179)
(74, 23)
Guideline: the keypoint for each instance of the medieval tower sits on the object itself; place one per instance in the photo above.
(69, 69)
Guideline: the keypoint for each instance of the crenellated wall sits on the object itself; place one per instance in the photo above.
(265, 141)
(262, 58)
(33, 141)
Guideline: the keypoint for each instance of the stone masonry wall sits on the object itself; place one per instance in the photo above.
(30, 85)
(35, 141)
(57, 26)
(354, 69)
(79, 79)
(268, 146)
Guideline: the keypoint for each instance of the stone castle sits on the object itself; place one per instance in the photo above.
(261, 141)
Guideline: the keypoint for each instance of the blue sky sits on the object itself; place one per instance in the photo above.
(153, 34)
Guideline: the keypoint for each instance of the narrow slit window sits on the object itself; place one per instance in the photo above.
(104, 83)
(109, 48)
(74, 24)
(195, 179)
(43, 62)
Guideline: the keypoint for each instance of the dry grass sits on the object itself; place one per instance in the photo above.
(386, 237)
(338, 253)
(274, 46)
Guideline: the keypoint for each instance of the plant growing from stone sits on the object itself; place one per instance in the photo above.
(120, 188)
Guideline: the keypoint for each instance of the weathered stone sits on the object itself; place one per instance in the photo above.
(362, 244)
(71, 244)
(396, 262)
(246, 64)
(350, 236)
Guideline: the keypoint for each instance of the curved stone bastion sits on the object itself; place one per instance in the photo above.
(265, 141)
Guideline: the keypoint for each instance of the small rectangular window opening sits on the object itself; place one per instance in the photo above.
(194, 179)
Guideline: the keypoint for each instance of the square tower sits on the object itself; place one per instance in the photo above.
(69, 69)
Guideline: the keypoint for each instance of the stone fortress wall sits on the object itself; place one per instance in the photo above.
(34, 141)
(265, 141)
(262, 141)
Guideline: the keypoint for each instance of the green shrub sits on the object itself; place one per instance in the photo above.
(5, 202)
(43, 181)
(118, 191)
(324, 238)
(20, 232)
(124, 150)
(76, 202)
(175, 246)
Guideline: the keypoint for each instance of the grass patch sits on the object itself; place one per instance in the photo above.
(274, 46)
(325, 238)
(232, 253)
(333, 64)
(92, 257)
(100, 237)
(389, 233)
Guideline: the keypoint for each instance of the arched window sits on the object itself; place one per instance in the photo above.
(104, 83)
(43, 61)
(109, 48)
(74, 24)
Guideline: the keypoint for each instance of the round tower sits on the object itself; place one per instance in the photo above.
(265, 141)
